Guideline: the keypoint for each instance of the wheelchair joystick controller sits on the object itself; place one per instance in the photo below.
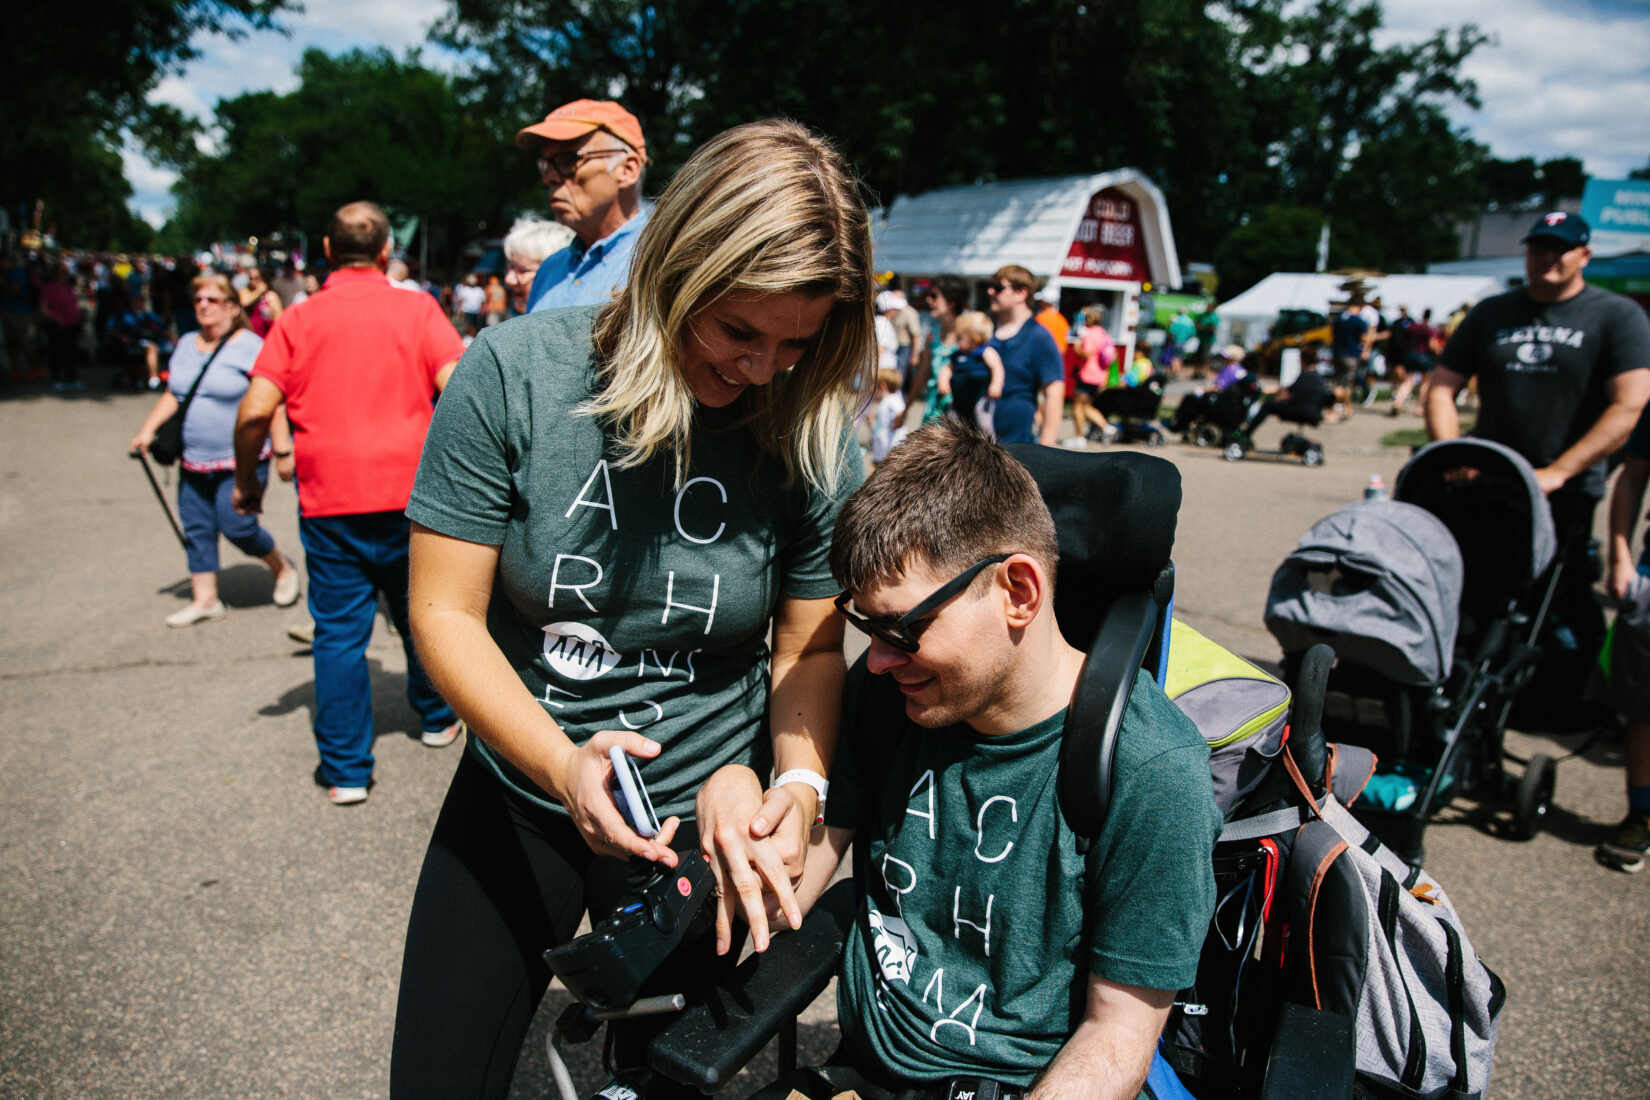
(605, 967)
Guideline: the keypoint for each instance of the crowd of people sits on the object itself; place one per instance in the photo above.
(613, 499)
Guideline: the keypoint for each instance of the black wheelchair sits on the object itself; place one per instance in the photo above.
(1115, 514)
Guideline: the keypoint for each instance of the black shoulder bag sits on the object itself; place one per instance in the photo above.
(167, 446)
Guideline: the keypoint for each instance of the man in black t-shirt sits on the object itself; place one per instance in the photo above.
(1563, 372)
(1563, 368)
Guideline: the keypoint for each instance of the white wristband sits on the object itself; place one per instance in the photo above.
(810, 778)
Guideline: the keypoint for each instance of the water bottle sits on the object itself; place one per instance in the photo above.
(1376, 489)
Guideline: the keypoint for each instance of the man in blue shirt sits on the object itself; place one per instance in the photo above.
(591, 157)
(1034, 375)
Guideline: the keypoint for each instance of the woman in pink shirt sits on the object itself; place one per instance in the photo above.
(61, 309)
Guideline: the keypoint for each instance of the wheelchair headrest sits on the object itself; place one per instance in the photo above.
(1114, 514)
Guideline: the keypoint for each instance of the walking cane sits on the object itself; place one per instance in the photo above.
(143, 460)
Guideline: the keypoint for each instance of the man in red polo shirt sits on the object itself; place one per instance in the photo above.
(358, 365)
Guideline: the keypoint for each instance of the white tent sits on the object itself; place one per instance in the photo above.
(1251, 313)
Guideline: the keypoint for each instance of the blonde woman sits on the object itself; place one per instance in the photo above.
(225, 348)
(615, 506)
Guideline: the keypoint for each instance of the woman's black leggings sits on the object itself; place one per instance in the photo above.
(502, 881)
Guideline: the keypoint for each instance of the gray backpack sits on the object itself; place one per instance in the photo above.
(1425, 1008)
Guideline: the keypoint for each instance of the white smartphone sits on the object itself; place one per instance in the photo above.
(631, 795)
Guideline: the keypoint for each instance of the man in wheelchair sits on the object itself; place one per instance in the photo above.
(990, 954)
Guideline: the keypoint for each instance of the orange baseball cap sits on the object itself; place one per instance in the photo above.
(572, 121)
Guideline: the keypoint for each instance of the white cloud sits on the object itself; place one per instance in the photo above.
(1559, 80)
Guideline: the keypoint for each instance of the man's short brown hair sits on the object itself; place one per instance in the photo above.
(948, 497)
(1017, 277)
(358, 233)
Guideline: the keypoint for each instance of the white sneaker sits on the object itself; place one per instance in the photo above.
(303, 633)
(1075, 443)
(190, 614)
(440, 739)
(346, 796)
(286, 586)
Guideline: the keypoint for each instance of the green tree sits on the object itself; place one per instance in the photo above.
(76, 87)
(359, 125)
(1358, 130)
(1275, 238)
(1230, 106)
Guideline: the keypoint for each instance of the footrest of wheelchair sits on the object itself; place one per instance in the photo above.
(1312, 1056)
(713, 1038)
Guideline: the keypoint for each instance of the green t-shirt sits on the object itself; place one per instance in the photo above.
(981, 921)
(621, 601)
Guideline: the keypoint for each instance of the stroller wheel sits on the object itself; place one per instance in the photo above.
(1313, 455)
(1534, 796)
(1204, 435)
(1234, 451)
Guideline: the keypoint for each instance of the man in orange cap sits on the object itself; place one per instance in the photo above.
(591, 158)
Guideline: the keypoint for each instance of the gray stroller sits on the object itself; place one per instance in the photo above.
(1433, 602)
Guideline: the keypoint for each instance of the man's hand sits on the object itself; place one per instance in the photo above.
(1550, 480)
(286, 467)
(1622, 572)
(248, 497)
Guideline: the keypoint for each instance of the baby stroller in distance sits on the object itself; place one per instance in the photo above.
(1133, 410)
(1434, 602)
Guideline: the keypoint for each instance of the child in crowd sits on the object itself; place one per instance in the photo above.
(887, 415)
(974, 378)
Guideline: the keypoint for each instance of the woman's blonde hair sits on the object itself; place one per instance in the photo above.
(219, 281)
(764, 208)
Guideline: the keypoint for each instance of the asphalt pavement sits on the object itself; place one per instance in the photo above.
(183, 914)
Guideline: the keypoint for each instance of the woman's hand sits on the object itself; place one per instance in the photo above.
(752, 872)
(580, 780)
(140, 442)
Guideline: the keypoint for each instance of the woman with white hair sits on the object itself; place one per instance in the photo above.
(529, 241)
(615, 506)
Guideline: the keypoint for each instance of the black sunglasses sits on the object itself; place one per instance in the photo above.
(904, 632)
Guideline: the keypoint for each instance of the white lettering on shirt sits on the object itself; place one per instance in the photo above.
(670, 600)
(677, 513)
(979, 828)
(666, 668)
(576, 589)
(957, 919)
(977, 999)
(926, 778)
(897, 892)
(658, 713)
(580, 502)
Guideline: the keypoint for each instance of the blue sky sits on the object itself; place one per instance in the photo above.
(1564, 77)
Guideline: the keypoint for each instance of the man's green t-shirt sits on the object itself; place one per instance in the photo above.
(622, 601)
(981, 921)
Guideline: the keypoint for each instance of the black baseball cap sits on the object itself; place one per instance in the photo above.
(1572, 229)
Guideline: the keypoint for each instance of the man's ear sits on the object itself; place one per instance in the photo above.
(629, 170)
(1025, 588)
(326, 247)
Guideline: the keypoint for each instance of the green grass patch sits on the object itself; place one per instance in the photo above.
(1405, 437)
(1415, 437)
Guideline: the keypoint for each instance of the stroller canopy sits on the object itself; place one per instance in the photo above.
(1498, 516)
(1380, 581)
